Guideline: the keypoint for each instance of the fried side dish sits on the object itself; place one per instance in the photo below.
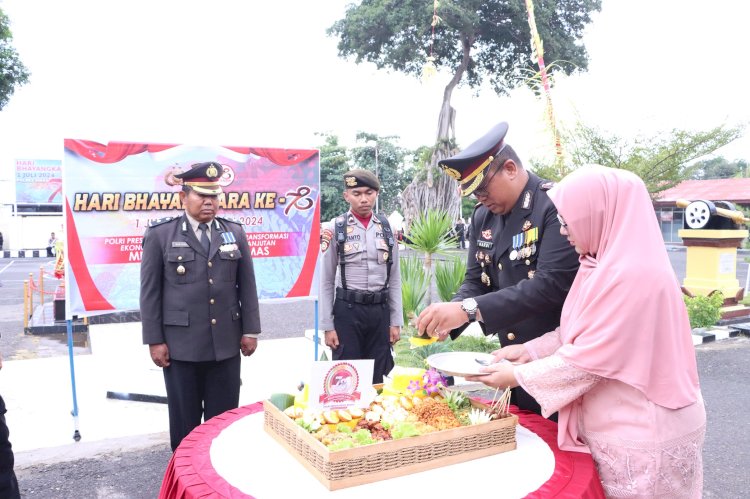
(436, 414)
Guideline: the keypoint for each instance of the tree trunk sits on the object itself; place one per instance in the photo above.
(439, 191)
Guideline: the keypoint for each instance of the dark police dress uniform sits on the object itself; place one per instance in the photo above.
(199, 304)
(8, 482)
(360, 289)
(519, 267)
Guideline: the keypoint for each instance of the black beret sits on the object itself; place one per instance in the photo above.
(361, 178)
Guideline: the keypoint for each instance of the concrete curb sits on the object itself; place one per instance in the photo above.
(28, 253)
(89, 450)
(720, 333)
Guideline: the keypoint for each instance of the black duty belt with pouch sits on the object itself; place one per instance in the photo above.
(362, 297)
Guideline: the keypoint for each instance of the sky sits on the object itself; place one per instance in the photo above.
(265, 74)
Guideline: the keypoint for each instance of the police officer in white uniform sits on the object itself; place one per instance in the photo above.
(360, 288)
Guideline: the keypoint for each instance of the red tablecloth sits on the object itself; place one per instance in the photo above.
(190, 473)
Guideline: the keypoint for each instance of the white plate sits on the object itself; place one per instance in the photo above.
(459, 363)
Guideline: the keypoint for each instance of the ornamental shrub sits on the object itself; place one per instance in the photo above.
(704, 311)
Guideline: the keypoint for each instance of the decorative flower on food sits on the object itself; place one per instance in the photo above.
(431, 383)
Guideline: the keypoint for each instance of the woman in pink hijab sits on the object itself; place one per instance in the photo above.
(621, 368)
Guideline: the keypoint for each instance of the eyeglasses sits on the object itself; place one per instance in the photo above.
(562, 222)
(483, 189)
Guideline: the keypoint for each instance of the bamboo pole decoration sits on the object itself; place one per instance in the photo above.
(429, 69)
(537, 50)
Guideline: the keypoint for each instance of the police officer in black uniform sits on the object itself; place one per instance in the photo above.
(519, 267)
(8, 481)
(360, 285)
(199, 304)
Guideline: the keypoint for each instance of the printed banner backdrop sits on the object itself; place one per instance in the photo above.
(112, 192)
(38, 181)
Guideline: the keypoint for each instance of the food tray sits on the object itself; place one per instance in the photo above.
(392, 458)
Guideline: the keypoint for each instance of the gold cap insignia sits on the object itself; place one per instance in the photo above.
(452, 173)
(351, 181)
(212, 172)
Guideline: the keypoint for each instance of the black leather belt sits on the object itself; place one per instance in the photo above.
(361, 297)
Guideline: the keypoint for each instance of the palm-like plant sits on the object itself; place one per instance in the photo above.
(449, 275)
(430, 233)
(414, 286)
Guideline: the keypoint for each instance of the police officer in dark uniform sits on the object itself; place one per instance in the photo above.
(519, 267)
(199, 305)
(8, 481)
(360, 288)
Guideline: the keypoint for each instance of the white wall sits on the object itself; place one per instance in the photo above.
(28, 231)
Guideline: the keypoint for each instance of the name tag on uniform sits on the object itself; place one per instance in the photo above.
(484, 244)
(179, 244)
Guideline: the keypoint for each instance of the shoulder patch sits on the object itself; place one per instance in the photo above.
(546, 185)
(326, 235)
(229, 219)
(160, 221)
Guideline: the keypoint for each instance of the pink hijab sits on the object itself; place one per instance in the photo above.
(624, 317)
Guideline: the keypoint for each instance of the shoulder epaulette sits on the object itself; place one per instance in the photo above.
(546, 185)
(160, 221)
(229, 219)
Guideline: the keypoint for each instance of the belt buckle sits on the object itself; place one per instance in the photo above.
(368, 298)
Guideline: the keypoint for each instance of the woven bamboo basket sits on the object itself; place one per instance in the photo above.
(392, 458)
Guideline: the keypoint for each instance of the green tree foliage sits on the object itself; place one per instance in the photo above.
(391, 169)
(719, 168)
(334, 162)
(13, 73)
(662, 161)
(486, 40)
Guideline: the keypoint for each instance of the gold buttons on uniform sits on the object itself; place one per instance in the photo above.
(210, 264)
(511, 336)
(210, 281)
(213, 321)
(211, 301)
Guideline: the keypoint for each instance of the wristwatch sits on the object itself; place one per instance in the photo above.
(469, 305)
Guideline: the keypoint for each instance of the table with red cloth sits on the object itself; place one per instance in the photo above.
(191, 473)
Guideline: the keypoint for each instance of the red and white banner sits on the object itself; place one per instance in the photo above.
(112, 191)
